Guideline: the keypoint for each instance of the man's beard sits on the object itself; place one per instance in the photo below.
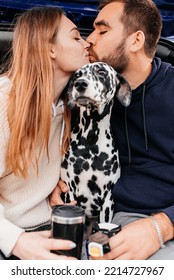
(118, 59)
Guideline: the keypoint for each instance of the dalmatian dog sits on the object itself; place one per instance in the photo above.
(90, 167)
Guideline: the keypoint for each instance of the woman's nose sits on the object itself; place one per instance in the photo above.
(86, 44)
(91, 39)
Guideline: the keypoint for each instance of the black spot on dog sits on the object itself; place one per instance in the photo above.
(92, 185)
(76, 179)
(98, 161)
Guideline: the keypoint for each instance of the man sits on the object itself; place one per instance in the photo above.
(125, 36)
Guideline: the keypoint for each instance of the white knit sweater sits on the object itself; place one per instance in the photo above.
(23, 202)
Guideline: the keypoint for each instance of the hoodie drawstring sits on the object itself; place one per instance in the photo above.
(127, 136)
(144, 118)
(144, 126)
(53, 111)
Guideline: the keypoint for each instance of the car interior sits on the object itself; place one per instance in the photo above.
(83, 14)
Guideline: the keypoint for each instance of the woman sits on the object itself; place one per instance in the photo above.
(46, 50)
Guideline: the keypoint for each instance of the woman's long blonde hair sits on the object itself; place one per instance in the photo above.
(32, 91)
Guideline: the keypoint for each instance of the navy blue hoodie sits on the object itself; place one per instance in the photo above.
(144, 135)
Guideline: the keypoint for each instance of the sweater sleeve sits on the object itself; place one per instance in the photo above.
(9, 234)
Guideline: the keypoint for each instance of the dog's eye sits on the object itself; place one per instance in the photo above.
(101, 72)
(78, 74)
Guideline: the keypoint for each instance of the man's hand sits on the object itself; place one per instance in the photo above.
(55, 196)
(139, 240)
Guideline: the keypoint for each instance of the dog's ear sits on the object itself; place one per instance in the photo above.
(124, 92)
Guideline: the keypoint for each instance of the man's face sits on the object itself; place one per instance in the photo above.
(108, 42)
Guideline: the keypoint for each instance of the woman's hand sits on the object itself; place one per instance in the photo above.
(55, 196)
(37, 246)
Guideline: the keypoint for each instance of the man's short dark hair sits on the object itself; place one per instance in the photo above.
(140, 15)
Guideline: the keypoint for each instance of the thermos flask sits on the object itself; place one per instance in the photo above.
(67, 222)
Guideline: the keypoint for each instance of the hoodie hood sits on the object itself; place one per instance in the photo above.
(144, 135)
(142, 99)
(140, 93)
(159, 71)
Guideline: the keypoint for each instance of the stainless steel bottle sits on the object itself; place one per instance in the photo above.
(68, 223)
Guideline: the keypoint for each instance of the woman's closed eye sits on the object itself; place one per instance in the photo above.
(78, 38)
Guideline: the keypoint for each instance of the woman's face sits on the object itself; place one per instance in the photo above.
(69, 51)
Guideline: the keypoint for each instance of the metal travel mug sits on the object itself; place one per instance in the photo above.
(67, 222)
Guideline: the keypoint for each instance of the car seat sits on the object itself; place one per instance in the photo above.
(165, 50)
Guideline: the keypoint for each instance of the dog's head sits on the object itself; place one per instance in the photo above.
(97, 83)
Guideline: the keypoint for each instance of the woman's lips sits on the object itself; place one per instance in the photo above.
(92, 57)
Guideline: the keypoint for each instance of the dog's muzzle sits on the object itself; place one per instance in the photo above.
(83, 100)
(81, 85)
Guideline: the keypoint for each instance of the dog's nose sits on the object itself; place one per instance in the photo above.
(81, 85)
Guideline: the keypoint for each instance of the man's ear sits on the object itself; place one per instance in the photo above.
(138, 39)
